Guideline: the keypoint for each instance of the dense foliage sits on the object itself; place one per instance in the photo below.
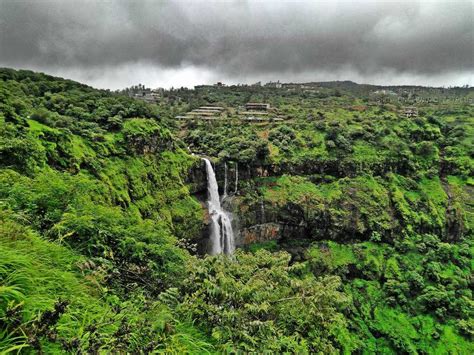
(100, 216)
(353, 187)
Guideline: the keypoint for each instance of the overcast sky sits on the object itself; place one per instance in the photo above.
(113, 44)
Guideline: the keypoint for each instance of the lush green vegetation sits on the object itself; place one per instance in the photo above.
(363, 192)
(99, 220)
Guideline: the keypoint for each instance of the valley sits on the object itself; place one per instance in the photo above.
(328, 217)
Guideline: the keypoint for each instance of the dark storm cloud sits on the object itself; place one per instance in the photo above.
(240, 39)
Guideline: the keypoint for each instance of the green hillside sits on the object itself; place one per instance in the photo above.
(102, 220)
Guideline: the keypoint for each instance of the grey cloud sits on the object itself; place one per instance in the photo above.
(241, 39)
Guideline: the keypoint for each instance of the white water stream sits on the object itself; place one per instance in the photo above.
(224, 195)
(236, 177)
(222, 235)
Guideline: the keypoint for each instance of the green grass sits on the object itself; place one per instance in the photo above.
(366, 153)
(41, 273)
(38, 127)
(271, 245)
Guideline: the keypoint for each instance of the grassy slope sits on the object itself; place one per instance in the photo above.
(104, 202)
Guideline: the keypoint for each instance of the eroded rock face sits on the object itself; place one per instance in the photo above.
(252, 223)
(255, 220)
(260, 222)
(196, 179)
(260, 233)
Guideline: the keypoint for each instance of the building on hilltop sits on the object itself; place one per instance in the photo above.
(199, 87)
(204, 113)
(276, 85)
(257, 106)
(290, 86)
(410, 111)
(140, 92)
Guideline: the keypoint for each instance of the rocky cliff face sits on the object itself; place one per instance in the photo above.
(337, 168)
(360, 208)
(255, 220)
(249, 227)
(196, 179)
(261, 222)
(260, 233)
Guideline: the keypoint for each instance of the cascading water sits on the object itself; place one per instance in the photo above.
(236, 177)
(222, 235)
(224, 195)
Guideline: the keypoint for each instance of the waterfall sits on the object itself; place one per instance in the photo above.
(222, 236)
(236, 177)
(224, 195)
